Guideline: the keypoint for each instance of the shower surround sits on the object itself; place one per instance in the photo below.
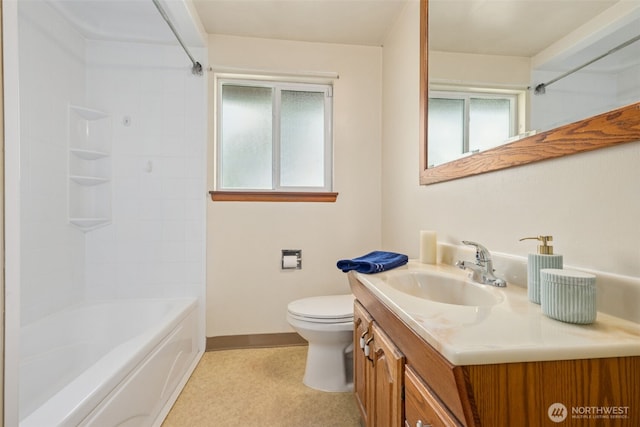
(150, 242)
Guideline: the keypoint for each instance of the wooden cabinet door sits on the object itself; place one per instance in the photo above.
(362, 366)
(422, 409)
(388, 367)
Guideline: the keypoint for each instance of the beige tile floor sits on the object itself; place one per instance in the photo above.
(258, 387)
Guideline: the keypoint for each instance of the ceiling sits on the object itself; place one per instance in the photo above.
(492, 27)
(361, 22)
(502, 27)
(478, 26)
(538, 23)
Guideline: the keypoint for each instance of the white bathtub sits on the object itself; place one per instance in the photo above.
(116, 363)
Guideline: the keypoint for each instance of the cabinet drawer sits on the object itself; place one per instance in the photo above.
(421, 406)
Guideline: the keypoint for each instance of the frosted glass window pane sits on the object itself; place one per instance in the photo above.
(302, 139)
(446, 130)
(489, 121)
(246, 146)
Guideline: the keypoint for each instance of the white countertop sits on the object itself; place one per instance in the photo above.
(513, 330)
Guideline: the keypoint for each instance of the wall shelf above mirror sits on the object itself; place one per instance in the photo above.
(561, 131)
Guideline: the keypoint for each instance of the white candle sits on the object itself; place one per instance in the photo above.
(428, 247)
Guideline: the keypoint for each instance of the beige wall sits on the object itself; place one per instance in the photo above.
(485, 70)
(247, 292)
(588, 202)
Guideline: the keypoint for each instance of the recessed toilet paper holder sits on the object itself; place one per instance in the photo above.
(291, 259)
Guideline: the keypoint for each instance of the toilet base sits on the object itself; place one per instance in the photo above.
(329, 368)
(330, 337)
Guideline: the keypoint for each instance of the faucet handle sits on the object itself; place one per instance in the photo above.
(482, 254)
(482, 271)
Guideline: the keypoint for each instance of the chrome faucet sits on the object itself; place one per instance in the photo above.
(482, 270)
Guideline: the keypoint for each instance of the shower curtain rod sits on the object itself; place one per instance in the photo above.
(197, 67)
(541, 88)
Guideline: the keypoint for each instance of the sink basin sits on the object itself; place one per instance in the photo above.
(442, 288)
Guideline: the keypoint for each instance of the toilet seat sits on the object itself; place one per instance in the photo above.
(323, 309)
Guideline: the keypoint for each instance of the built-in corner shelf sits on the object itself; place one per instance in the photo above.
(87, 224)
(89, 168)
(88, 180)
(89, 113)
(88, 154)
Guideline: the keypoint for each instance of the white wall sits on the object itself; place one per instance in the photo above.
(156, 243)
(247, 293)
(51, 77)
(629, 85)
(588, 202)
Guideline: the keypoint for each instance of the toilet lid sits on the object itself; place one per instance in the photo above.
(331, 307)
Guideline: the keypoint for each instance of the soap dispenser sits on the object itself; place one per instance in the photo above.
(536, 262)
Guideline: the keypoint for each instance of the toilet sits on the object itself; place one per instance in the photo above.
(326, 322)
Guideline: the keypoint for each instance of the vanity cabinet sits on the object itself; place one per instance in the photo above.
(404, 381)
(378, 373)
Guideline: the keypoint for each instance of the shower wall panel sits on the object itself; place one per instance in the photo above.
(629, 84)
(52, 76)
(156, 244)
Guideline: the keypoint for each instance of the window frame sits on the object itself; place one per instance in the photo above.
(466, 94)
(278, 192)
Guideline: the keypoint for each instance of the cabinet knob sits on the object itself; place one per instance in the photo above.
(420, 424)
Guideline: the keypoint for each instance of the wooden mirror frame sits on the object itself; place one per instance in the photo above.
(615, 127)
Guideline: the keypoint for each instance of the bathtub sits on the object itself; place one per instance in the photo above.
(115, 363)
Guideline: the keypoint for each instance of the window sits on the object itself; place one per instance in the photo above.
(273, 136)
(468, 122)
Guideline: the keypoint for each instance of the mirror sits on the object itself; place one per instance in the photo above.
(607, 128)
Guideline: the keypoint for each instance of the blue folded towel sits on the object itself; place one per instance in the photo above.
(373, 262)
